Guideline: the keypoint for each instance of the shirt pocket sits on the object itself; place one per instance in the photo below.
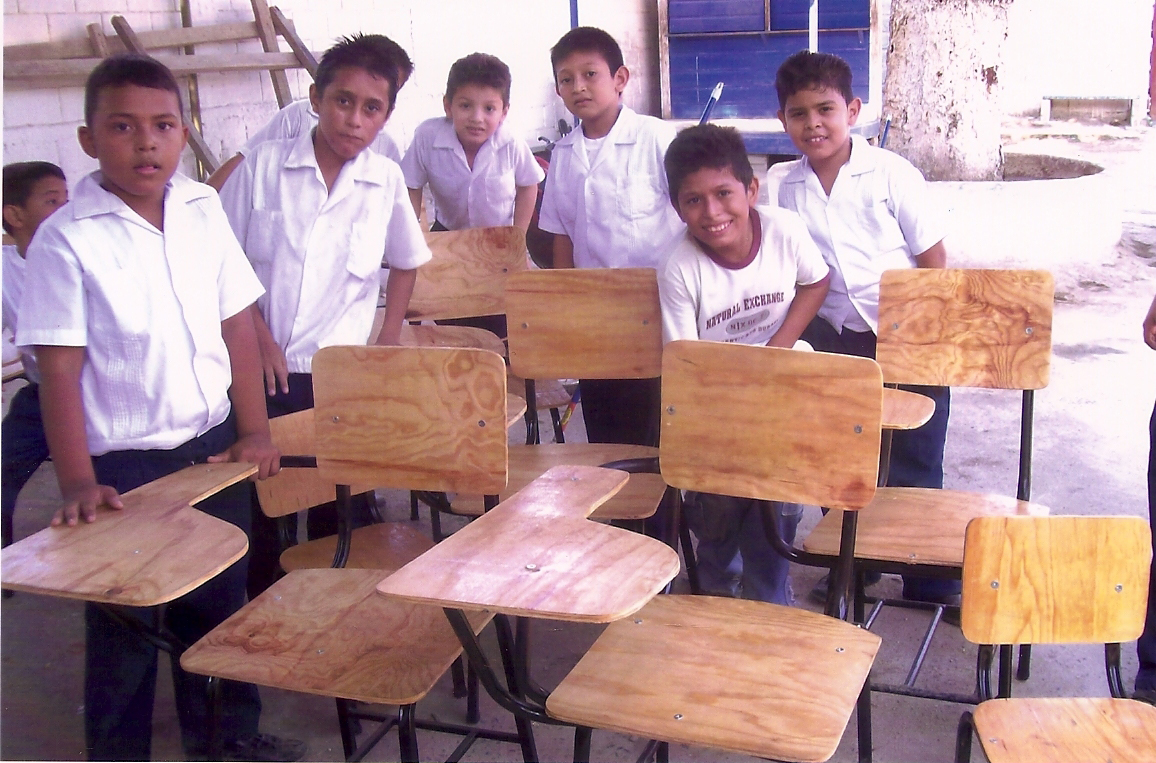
(366, 251)
(640, 195)
(265, 236)
(499, 191)
(879, 227)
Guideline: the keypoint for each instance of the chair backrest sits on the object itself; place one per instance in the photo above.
(595, 323)
(1055, 580)
(966, 328)
(761, 422)
(468, 272)
(292, 490)
(416, 418)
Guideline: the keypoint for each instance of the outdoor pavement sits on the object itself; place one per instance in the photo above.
(1090, 458)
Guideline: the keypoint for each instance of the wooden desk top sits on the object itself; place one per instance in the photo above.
(905, 410)
(537, 554)
(154, 550)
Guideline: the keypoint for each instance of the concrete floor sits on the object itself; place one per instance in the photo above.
(1091, 450)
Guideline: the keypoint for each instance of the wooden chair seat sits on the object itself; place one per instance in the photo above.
(327, 632)
(906, 410)
(916, 525)
(638, 500)
(420, 335)
(1060, 728)
(549, 392)
(386, 546)
(685, 669)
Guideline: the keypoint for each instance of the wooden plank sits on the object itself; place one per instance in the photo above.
(595, 323)
(268, 39)
(966, 328)
(98, 41)
(411, 418)
(468, 273)
(1099, 730)
(385, 547)
(451, 336)
(537, 555)
(912, 525)
(1055, 580)
(286, 29)
(906, 410)
(326, 632)
(638, 500)
(177, 37)
(77, 69)
(767, 423)
(742, 676)
(154, 550)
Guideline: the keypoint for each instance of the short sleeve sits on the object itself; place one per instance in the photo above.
(53, 310)
(413, 163)
(405, 246)
(286, 123)
(237, 198)
(919, 218)
(385, 145)
(678, 298)
(237, 284)
(809, 263)
(526, 168)
(549, 218)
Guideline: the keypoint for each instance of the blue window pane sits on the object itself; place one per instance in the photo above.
(689, 16)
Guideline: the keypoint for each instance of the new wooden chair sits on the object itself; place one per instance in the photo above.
(742, 676)
(1056, 580)
(961, 328)
(422, 418)
(591, 324)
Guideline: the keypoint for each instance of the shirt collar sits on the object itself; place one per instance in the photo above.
(303, 156)
(91, 200)
(862, 161)
(446, 138)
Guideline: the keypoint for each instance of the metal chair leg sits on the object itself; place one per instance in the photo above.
(458, 676)
(582, 744)
(1024, 666)
(556, 420)
(345, 724)
(688, 554)
(413, 514)
(407, 734)
(863, 722)
(963, 738)
(216, 743)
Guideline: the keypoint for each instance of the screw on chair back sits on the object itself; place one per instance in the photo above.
(772, 424)
(468, 272)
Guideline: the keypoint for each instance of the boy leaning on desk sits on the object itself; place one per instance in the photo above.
(137, 304)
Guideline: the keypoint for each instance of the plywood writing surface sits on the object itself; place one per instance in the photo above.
(468, 272)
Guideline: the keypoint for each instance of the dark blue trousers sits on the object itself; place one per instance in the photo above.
(121, 667)
(916, 454)
(23, 448)
(1146, 646)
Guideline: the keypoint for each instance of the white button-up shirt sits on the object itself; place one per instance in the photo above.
(14, 268)
(878, 217)
(469, 198)
(319, 252)
(299, 117)
(147, 307)
(616, 210)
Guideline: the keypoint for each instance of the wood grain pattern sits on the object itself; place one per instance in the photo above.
(916, 525)
(433, 335)
(742, 676)
(467, 275)
(411, 418)
(326, 632)
(154, 550)
(387, 546)
(536, 554)
(1088, 730)
(638, 500)
(762, 422)
(549, 392)
(905, 410)
(1055, 580)
(966, 328)
(596, 323)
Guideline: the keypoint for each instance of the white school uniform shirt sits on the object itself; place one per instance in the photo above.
(299, 117)
(318, 252)
(704, 298)
(878, 217)
(13, 289)
(146, 305)
(616, 210)
(469, 198)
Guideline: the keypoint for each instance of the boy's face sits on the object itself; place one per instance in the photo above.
(476, 111)
(137, 135)
(351, 111)
(819, 122)
(716, 208)
(48, 194)
(589, 89)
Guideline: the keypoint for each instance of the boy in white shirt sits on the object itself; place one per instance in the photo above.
(316, 215)
(300, 116)
(607, 204)
(136, 302)
(746, 275)
(869, 211)
(32, 192)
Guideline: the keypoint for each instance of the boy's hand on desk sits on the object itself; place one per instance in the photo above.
(81, 501)
(253, 449)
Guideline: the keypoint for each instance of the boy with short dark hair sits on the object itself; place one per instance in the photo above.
(32, 192)
(868, 210)
(316, 215)
(606, 201)
(137, 305)
(480, 174)
(745, 275)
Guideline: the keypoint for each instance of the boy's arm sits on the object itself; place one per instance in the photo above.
(398, 290)
(222, 173)
(63, 412)
(804, 307)
(253, 445)
(274, 367)
(415, 200)
(935, 257)
(563, 251)
(524, 200)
